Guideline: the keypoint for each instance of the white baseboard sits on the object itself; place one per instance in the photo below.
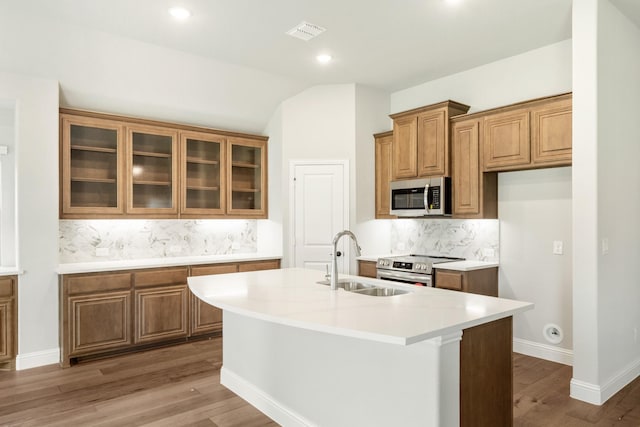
(37, 358)
(543, 351)
(597, 395)
(264, 402)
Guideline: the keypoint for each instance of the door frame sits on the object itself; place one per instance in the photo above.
(292, 203)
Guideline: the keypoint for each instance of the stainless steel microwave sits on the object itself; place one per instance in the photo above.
(421, 197)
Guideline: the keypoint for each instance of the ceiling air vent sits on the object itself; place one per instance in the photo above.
(306, 31)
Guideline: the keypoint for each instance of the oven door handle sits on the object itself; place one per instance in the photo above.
(421, 278)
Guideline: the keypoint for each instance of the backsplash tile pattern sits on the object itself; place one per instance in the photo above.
(142, 239)
(469, 239)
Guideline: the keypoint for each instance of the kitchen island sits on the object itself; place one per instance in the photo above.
(306, 355)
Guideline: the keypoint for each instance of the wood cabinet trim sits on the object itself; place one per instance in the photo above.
(454, 105)
(158, 123)
(159, 276)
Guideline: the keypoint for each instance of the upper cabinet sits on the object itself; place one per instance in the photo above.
(421, 140)
(247, 177)
(152, 171)
(533, 134)
(92, 153)
(203, 177)
(115, 167)
(383, 158)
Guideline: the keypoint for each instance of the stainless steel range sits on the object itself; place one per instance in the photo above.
(413, 269)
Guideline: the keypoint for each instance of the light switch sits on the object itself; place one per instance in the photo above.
(605, 246)
(557, 247)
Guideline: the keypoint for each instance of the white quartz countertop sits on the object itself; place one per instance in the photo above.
(9, 271)
(92, 267)
(292, 297)
(465, 265)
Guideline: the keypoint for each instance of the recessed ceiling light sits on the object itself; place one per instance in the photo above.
(324, 58)
(179, 13)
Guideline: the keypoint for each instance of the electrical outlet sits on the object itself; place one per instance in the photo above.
(488, 252)
(175, 249)
(557, 247)
(605, 246)
(102, 251)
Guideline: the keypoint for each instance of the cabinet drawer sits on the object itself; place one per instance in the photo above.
(367, 268)
(6, 287)
(205, 270)
(448, 280)
(97, 283)
(164, 276)
(273, 264)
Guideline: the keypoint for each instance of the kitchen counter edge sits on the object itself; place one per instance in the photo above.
(95, 267)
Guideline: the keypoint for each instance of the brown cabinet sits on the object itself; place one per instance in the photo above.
(203, 174)
(483, 281)
(247, 177)
(92, 172)
(152, 171)
(367, 268)
(104, 313)
(95, 314)
(475, 194)
(8, 322)
(161, 304)
(551, 132)
(117, 167)
(527, 135)
(383, 159)
(421, 140)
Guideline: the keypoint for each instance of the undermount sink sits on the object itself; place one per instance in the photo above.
(350, 285)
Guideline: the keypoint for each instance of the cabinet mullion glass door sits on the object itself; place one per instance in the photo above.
(152, 171)
(202, 174)
(92, 167)
(247, 177)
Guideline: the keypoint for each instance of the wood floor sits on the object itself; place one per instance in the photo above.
(180, 386)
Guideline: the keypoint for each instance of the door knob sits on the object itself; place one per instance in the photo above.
(338, 253)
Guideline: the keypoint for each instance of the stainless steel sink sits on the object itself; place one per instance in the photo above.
(365, 288)
(380, 292)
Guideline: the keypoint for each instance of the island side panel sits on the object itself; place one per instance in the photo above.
(303, 377)
(486, 375)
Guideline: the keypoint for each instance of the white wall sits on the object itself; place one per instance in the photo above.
(372, 116)
(8, 182)
(541, 72)
(607, 296)
(36, 102)
(318, 123)
(101, 72)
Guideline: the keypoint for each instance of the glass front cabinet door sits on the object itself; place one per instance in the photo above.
(152, 171)
(92, 178)
(247, 192)
(203, 176)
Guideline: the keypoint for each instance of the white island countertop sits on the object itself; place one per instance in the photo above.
(293, 298)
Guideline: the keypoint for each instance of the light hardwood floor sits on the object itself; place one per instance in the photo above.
(180, 386)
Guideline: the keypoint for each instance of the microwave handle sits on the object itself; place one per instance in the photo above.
(426, 197)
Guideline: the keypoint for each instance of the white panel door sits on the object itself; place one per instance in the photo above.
(320, 211)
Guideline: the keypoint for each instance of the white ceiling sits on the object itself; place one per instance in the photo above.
(389, 44)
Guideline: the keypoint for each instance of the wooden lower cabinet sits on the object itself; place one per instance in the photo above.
(486, 375)
(113, 312)
(367, 268)
(483, 281)
(8, 322)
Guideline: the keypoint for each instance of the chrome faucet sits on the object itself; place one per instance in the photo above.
(334, 256)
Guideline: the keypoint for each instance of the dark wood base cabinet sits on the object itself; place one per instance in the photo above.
(8, 322)
(109, 313)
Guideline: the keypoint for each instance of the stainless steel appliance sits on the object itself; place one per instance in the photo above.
(412, 269)
(421, 197)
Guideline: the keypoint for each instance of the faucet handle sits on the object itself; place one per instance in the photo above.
(327, 276)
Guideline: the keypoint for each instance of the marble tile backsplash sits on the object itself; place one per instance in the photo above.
(469, 239)
(113, 240)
